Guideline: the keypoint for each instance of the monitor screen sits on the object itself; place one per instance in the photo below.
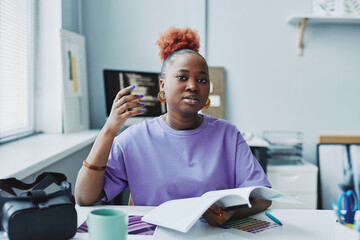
(146, 83)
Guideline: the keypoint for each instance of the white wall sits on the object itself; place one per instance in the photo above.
(268, 86)
(122, 35)
(71, 15)
(48, 89)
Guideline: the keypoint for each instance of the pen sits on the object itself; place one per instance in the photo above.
(273, 218)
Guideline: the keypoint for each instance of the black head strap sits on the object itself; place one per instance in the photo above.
(41, 182)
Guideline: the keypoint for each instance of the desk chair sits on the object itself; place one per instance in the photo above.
(261, 155)
(130, 203)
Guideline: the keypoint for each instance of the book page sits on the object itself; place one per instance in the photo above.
(231, 197)
(179, 214)
(273, 195)
(239, 196)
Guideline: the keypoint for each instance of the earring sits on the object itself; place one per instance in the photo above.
(207, 103)
(161, 96)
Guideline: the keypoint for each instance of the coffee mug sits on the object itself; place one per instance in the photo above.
(107, 224)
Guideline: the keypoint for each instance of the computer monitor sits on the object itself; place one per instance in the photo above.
(146, 83)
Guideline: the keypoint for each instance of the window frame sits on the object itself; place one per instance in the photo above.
(30, 128)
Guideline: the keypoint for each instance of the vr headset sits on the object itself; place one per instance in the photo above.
(35, 214)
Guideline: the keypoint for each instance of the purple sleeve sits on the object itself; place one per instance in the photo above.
(248, 170)
(115, 179)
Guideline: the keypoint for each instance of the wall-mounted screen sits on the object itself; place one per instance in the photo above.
(146, 83)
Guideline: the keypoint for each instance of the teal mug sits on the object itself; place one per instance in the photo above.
(107, 224)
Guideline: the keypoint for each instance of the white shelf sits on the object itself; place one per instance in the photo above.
(303, 20)
(313, 20)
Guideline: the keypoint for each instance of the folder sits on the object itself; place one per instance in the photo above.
(355, 161)
(332, 162)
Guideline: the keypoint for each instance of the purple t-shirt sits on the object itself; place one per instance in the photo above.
(159, 163)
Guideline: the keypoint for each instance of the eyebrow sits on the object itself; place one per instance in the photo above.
(187, 71)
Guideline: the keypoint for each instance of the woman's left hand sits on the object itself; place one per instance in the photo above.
(212, 215)
(216, 215)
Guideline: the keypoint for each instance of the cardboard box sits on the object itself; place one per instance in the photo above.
(339, 139)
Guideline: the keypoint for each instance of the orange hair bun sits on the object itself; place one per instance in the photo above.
(174, 39)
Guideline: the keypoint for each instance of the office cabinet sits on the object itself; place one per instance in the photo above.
(299, 181)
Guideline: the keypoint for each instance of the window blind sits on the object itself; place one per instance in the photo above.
(16, 68)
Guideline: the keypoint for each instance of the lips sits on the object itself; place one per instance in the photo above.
(191, 97)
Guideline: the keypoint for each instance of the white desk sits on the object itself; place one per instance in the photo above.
(297, 224)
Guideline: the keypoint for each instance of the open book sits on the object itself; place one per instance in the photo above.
(181, 214)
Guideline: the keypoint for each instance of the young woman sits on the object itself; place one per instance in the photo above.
(177, 155)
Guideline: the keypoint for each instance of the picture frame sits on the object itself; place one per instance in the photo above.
(75, 93)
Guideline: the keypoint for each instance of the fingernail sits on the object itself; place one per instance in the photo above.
(143, 110)
(132, 87)
(141, 96)
(141, 104)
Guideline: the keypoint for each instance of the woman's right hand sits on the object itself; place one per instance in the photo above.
(120, 110)
(89, 183)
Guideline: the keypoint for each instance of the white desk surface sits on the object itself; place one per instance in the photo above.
(297, 224)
